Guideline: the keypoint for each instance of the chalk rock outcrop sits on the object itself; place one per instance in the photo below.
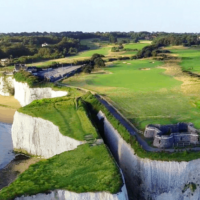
(67, 195)
(6, 145)
(25, 95)
(40, 137)
(148, 179)
(6, 83)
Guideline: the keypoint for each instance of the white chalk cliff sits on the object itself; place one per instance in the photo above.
(67, 195)
(4, 84)
(25, 95)
(40, 137)
(149, 179)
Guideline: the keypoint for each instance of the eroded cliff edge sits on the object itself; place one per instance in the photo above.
(148, 179)
(39, 137)
(67, 195)
(25, 95)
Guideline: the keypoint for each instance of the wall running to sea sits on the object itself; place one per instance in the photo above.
(152, 180)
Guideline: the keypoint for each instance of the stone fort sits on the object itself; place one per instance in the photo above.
(167, 136)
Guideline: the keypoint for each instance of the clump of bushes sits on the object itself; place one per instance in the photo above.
(27, 77)
(96, 61)
(123, 58)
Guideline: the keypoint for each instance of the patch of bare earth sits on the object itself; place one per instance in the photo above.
(14, 168)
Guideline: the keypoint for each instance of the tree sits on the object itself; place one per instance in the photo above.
(112, 38)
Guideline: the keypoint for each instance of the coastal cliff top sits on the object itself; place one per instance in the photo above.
(69, 114)
(85, 169)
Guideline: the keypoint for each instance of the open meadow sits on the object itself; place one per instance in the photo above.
(146, 91)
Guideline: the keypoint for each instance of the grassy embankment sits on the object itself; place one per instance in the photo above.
(85, 169)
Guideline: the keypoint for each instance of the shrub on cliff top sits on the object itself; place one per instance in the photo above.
(26, 77)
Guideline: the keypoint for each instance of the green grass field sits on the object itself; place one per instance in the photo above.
(66, 113)
(138, 46)
(190, 58)
(85, 169)
(145, 93)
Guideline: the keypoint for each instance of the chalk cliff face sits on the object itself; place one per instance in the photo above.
(4, 84)
(6, 146)
(67, 195)
(26, 95)
(40, 137)
(147, 179)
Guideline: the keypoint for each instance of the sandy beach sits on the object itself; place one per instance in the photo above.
(8, 106)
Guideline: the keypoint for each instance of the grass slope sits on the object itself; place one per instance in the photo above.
(68, 114)
(85, 169)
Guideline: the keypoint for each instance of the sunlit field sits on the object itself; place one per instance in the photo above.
(146, 91)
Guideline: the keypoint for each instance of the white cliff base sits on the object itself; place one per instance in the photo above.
(67, 195)
(6, 83)
(25, 95)
(40, 137)
(6, 145)
(148, 179)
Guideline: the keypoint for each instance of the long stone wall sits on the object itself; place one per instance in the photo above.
(40, 137)
(149, 179)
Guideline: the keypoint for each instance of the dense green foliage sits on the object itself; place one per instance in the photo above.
(96, 106)
(66, 113)
(26, 77)
(96, 61)
(28, 49)
(85, 169)
(177, 39)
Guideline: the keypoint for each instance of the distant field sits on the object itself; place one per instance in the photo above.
(146, 93)
(138, 46)
(190, 58)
